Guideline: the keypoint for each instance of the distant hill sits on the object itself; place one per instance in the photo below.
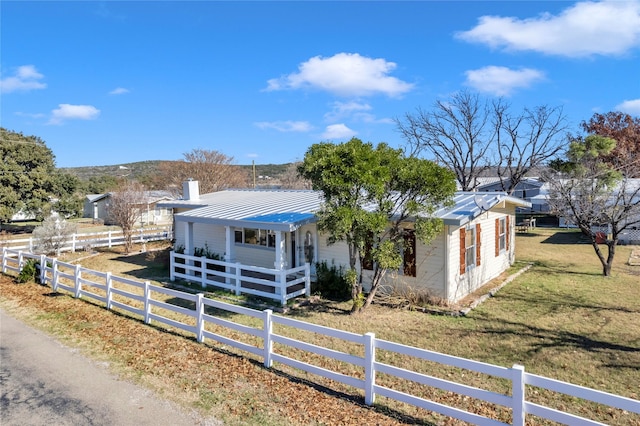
(141, 169)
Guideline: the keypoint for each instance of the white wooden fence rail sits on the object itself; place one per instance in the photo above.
(285, 284)
(74, 279)
(82, 241)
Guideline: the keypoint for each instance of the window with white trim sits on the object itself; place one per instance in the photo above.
(470, 247)
(502, 234)
(255, 237)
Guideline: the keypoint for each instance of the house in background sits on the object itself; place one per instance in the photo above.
(277, 229)
(96, 207)
(530, 189)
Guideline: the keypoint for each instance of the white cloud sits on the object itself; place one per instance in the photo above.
(584, 29)
(73, 112)
(29, 114)
(119, 91)
(344, 74)
(285, 126)
(631, 107)
(26, 78)
(338, 131)
(341, 110)
(501, 81)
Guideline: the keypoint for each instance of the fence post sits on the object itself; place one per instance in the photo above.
(518, 395)
(109, 284)
(4, 260)
(283, 287)
(73, 243)
(268, 344)
(31, 244)
(147, 304)
(307, 279)
(77, 274)
(20, 261)
(203, 271)
(43, 269)
(172, 265)
(199, 317)
(54, 282)
(238, 278)
(369, 368)
(109, 238)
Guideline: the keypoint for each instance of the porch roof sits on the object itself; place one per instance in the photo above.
(278, 210)
(469, 205)
(287, 210)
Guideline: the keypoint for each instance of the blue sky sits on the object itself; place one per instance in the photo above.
(107, 82)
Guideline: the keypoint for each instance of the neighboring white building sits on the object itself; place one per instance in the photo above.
(277, 229)
(96, 207)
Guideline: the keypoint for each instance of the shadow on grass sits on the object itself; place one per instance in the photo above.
(566, 301)
(566, 237)
(549, 338)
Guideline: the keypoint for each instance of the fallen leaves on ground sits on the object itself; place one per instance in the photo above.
(233, 386)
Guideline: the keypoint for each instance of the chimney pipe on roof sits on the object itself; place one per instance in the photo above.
(190, 190)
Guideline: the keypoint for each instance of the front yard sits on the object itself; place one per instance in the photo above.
(561, 319)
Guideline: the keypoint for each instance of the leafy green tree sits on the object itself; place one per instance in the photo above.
(101, 184)
(371, 195)
(29, 180)
(592, 193)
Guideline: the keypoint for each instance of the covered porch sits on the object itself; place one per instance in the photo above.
(267, 247)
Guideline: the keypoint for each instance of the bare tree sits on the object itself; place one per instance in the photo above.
(291, 178)
(125, 209)
(212, 169)
(592, 194)
(526, 141)
(469, 135)
(457, 134)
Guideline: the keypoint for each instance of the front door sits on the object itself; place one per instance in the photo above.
(293, 250)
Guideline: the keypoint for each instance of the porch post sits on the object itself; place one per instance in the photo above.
(281, 241)
(188, 238)
(188, 246)
(229, 252)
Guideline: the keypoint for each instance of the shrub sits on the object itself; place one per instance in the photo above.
(29, 271)
(331, 282)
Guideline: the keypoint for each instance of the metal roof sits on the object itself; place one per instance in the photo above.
(286, 210)
(469, 205)
(278, 210)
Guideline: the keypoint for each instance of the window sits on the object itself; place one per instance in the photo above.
(502, 234)
(255, 237)
(470, 249)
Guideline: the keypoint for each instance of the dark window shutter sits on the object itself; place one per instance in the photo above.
(478, 241)
(409, 253)
(508, 231)
(463, 250)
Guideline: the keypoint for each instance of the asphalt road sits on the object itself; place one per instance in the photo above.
(43, 382)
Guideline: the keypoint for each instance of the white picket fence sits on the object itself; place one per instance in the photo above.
(275, 284)
(83, 241)
(83, 282)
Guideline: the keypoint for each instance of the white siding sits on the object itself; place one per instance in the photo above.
(490, 265)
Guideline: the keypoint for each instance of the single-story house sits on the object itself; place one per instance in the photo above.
(96, 207)
(277, 229)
